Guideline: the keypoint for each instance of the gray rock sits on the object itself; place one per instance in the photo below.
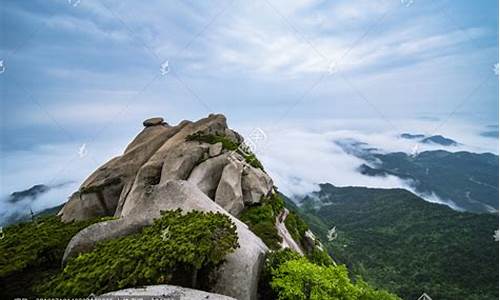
(255, 184)
(111, 179)
(86, 239)
(215, 149)
(162, 165)
(237, 277)
(153, 122)
(168, 292)
(229, 194)
(207, 174)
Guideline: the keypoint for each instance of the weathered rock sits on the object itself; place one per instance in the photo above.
(215, 149)
(110, 179)
(168, 292)
(163, 170)
(237, 277)
(287, 239)
(229, 194)
(153, 122)
(158, 165)
(255, 183)
(207, 174)
(86, 239)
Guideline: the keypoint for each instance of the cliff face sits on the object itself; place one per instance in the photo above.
(201, 166)
(162, 153)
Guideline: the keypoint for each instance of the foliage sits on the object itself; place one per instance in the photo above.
(295, 277)
(227, 144)
(261, 219)
(399, 242)
(213, 139)
(320, 257)
(296, 226)
(172, 250)
(32, 250)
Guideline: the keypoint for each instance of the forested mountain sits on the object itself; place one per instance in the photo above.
(467, 181)
(398, 241)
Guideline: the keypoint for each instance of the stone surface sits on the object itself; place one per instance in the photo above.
(153, 122)
(161, 170)
(207, 174)
(215, 149)
(229, 194)
(255, 184)
(168, 292)
(86, 239)
(287, 239)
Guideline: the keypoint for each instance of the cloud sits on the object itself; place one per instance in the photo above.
(299, 156)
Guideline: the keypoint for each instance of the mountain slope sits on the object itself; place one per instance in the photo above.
(466, 181)
(400, 242)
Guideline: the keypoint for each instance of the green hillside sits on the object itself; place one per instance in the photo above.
(397, 241)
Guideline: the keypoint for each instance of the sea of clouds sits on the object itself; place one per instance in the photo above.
(298, 155)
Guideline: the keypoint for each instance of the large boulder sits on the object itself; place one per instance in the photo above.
(229, 194)
(166, 292)
(255, 184)
(175, 167)
(237, 277)
(153, 122)
(208, 174)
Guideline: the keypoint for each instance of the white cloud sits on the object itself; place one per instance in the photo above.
(299, 156)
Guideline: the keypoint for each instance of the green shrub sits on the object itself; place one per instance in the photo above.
(175, 249)
(300, 279)
(320, 257)
(227, 144)
(289, 276)
(262, 220)
(31, 251)
(213, 139)
(296, 226)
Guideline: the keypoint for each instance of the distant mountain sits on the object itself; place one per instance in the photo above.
(440, 140)
(412, 136)
(433, 139)
(467, 179)
(32, 193)
(491, 134)
(398, 241)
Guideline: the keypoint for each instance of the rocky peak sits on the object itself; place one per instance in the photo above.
(200, 165)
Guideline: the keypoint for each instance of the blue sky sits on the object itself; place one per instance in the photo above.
(88, 71)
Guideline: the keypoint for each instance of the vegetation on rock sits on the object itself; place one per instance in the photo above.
(227, 144)
(296, 226)
(261, 219)
(31, 251)
(177, 249)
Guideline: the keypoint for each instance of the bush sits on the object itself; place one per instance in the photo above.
(289, 276)
(320, 257)
(176, 249)
(262, 218)
(33, 250)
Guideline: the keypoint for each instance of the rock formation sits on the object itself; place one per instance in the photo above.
(170, 167)
(165, 292)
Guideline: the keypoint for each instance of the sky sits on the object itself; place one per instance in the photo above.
(79, 76)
